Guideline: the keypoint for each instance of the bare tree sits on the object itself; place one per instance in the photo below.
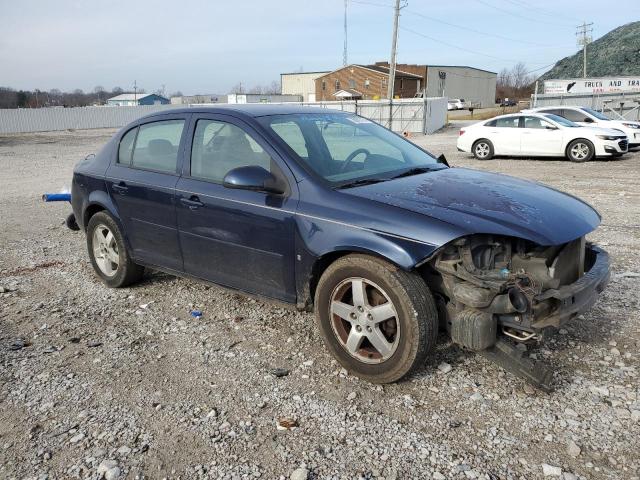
(237, 88)
(273, 88)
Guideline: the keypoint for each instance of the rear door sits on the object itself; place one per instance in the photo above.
(505, 135)
(142, 184)
(238, 238)
(540, 137)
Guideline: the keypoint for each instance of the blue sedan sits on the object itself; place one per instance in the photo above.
(336, 214)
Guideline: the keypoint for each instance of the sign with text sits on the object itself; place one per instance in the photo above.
(592, 85)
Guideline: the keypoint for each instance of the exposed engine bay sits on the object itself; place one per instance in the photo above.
(491, 283)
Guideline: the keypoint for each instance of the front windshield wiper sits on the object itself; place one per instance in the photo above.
(413, 171)
(363, 181)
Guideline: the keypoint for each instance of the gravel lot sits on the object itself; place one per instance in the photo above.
(126, 384)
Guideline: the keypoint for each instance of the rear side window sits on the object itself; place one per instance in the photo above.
(509, 122)
(157, 145)
(126, 147)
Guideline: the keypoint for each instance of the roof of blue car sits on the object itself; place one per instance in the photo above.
(249, 109)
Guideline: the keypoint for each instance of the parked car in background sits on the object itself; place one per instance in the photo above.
(336, 214)
(456, 104)
(508, 103)
(589, 117)
(540, 135)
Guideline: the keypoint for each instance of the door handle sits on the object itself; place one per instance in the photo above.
(120, 188)
(193, 202)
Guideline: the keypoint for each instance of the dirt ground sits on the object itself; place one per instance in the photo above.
(99, 383)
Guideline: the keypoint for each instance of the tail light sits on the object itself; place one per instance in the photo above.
(461, 132)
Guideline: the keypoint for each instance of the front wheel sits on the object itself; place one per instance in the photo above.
(377, 320)
(580, 150)
(108, 252)
(483, 149)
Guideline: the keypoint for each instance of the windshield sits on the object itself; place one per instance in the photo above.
(345, 148)
(598, 115)
(561, 120)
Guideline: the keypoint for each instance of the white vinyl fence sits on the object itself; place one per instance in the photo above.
(407, 115)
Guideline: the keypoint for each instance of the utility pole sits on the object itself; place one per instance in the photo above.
(394, 45)
(583, 33)
(344, 53)
(392, 63)
(135, 92)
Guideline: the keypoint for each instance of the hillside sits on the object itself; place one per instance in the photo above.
(615, 54)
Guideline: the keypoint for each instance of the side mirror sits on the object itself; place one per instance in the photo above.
(253, 178)
(442, 159)
(551, 127)
(588, 120)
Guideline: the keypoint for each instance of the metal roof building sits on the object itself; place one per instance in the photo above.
(133, 99)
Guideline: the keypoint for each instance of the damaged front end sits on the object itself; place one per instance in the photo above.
(491, 287)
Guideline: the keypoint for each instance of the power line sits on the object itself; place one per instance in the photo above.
(469, 29)
(508, 12)
(461, 48)
(541, 11)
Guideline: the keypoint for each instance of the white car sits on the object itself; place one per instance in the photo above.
(588, 117)
(456, 104)
(539, 135)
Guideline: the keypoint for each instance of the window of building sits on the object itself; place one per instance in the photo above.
(352, 83)
(401, 83)
(337, 84)
(219, 147)
(126, 147)
(156, 146)
(324, 85)
(366, 83)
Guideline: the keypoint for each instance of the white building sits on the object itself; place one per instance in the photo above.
(302, 83)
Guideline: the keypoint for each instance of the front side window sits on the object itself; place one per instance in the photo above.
(157, 146)
(575, 115)
(126, 147)
(508, 122)
(219, 147)
(343, 148)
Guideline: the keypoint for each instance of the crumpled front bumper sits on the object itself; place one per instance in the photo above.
(574, 299)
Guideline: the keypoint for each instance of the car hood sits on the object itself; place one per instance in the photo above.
(481, 202)
(603, 131)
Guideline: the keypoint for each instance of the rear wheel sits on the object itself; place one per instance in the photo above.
(580, 150)
(108, 252)
(379, 321)
(483, 149)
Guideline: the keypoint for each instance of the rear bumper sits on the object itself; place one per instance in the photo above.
(570, 301)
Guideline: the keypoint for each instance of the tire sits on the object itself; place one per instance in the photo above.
(482, 149)
(580, 150)
(402, 298)
(108, 252)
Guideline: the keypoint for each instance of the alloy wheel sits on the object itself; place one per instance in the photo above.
(482, 150)
(580, 151)
(364, 320)
(105, 250)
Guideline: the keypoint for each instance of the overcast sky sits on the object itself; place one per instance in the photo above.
(209, 46)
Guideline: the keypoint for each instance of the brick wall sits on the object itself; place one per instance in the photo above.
(370, 83)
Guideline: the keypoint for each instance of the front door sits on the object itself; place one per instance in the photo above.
(142, 184)
(540, 137)
(238, 238)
